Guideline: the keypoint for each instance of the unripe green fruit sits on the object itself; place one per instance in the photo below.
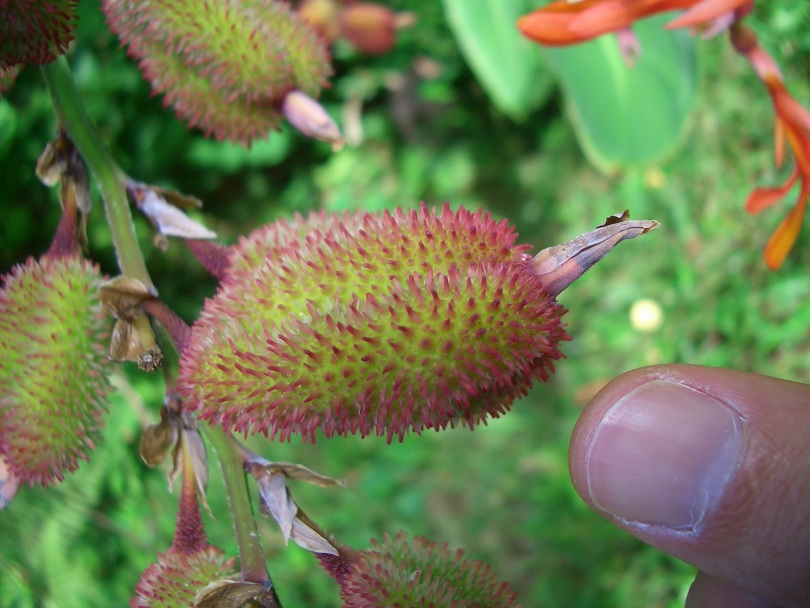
(225, 67)
(371, 323)
(53, 380)
(176, 577)
(35, 31)
(419, 572)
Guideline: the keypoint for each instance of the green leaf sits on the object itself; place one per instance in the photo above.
(628, 116)
(507, 65)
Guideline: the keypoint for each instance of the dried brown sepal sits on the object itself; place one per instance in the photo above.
(178, 199)
(61, 163)
(309, 538)
(51, 165)
(165, 215)
(190, 451)
(277, 502)
(298, 471)
(75, 194)
(133, 338)
(122, 297)
(157, 439)
(79, 181)
(561, 265)
(135, 342)
(236, 594)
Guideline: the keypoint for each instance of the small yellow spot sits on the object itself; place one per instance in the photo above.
(646, 315)
(654, 178)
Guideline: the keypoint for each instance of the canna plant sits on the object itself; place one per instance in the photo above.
(387, 323)
(570, 22)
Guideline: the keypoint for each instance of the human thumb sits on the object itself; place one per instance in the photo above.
(711, 466)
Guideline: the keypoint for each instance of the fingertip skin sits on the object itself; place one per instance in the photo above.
(756, 537)
(710, 592)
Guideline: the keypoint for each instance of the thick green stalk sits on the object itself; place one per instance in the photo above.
(73, 119)
(251, 555)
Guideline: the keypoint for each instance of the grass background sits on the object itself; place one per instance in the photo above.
(502, 492)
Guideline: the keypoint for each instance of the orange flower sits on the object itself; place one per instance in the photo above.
(793, 123)
(570, 22)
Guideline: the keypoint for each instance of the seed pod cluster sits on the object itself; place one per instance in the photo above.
(53, 381)
(371, 323)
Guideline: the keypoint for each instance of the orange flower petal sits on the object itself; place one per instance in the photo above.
(550, 24)
(705, 12)
(612, 15)
(762, 198)
(778, 143)
(784, 237)
(547, 30)
(796, 121)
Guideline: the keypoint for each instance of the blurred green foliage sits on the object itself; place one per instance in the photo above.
(429, 133)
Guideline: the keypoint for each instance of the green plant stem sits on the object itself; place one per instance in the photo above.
(74, 120)
(251, 555)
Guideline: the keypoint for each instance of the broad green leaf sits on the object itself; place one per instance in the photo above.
(506, 64)
(628, 116)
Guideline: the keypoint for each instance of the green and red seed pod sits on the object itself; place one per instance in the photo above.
(53, 373)
(367, 323)
(225, 67)
(33, 32)
(175, 578)
(415, 572)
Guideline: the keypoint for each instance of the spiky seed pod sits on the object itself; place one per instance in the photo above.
(175, 578)
(420, 573)
(371, 323)
(53, 372)
(223, 66)
(35, 31)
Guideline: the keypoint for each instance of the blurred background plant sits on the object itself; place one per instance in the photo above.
(425, 123)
